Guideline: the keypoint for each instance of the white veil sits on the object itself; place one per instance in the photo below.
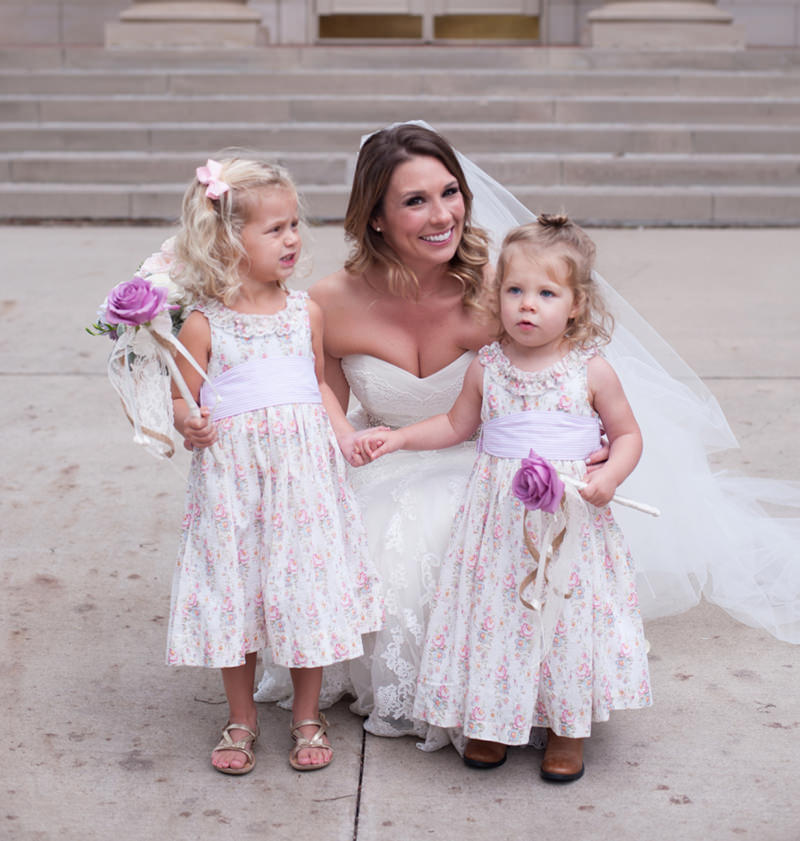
(714, 537)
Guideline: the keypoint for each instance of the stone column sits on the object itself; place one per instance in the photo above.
(204, 24)
(663, 25)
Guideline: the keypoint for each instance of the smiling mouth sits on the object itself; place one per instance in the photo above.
(439, 237)
(289, 258)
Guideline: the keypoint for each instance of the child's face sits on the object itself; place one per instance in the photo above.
(271, 237)
(536, 300)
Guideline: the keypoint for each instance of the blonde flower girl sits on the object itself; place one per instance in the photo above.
(273, 553)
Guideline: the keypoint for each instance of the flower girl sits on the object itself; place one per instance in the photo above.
(273, 553)
(535, 621)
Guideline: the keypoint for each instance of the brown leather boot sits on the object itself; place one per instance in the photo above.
(481, 754)
(563, 759)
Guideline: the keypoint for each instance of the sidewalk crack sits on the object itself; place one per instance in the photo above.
(360, 781)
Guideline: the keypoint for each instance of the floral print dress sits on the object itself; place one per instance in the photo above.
(273, 553)
(483, 668)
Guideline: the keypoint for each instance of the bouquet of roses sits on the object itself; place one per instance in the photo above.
(136, 301)
(142, 316)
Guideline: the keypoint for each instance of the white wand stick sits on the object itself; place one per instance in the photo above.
(177, 377)
(630, 503)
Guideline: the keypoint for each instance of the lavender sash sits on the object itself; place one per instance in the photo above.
(260, 383)
(556, 436)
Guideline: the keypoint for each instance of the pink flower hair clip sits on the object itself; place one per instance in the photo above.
(209, 174)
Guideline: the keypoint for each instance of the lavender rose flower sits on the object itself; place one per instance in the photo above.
(135, 302)
(536, 484)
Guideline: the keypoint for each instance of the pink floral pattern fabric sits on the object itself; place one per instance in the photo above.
(481, 669)
(273, 552)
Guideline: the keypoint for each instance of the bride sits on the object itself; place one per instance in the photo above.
(403, 319)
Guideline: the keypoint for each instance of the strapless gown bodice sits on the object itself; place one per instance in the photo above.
(391, 396)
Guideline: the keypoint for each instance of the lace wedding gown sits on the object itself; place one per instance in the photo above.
(408, 500)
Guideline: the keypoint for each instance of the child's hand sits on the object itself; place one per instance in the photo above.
(199, 431)
(362, 444)
(600, 487)
(381, 441)
(353, 449)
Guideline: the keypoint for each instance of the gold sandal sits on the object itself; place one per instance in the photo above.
(245, 746)
(301, 743)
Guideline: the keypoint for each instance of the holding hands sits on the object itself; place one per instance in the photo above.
(354, 445)
(379, 441)
(367, 442)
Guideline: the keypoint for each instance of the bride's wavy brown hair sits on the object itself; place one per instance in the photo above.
(559, 235)
(379, 157)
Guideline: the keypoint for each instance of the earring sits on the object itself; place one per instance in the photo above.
(378, 229)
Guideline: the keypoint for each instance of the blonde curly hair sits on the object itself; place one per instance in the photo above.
(208, 246)
(556, 233)
(379, 157)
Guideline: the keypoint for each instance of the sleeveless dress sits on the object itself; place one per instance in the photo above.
(273, 553)
(493, 667)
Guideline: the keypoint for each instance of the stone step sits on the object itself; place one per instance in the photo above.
(399, 57)
(413, 81)
(359, 108)
(576, 138)
(123, 168)
(325, 169)
(613, 137)
(739, 206)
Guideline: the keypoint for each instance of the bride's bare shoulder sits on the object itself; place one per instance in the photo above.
(336, 289)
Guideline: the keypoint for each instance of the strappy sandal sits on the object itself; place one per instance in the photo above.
(301, 743)
(245, 746)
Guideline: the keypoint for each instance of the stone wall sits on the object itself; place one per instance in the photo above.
(81, 22)
(773, 23)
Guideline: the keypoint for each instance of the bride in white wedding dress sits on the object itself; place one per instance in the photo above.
(403, 320)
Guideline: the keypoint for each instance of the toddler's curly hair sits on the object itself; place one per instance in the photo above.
(558, 235)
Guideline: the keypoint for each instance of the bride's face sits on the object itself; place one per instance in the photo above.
(422, 217)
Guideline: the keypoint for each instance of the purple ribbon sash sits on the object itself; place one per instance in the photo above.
(259, 383)
(556, 436)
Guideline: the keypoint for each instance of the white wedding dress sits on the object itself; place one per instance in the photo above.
(714, 538)
(408, 500)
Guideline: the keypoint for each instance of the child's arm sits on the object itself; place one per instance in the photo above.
(342, 428)
(440, 430)
(624, 438)
(195, 335)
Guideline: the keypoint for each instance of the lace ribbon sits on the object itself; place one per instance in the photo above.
(140, 367)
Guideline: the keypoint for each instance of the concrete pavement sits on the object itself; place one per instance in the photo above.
(104, 741)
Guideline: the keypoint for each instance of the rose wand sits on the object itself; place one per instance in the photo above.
(622, 500)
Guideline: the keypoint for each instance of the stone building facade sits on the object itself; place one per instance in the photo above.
(772, 23)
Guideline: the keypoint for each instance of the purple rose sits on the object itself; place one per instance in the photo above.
(135, 301)
(536, 484)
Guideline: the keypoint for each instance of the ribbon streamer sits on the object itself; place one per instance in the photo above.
(539, 577)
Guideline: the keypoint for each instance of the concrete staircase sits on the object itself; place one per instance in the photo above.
(614, 138)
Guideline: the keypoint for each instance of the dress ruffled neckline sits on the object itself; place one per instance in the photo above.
(519, 381)
(254, 324)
